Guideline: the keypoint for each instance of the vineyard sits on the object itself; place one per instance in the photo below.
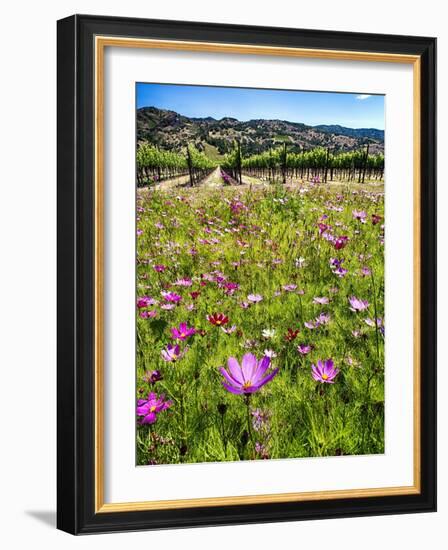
(276, 165)
(154, 165)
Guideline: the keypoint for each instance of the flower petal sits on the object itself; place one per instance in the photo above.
(267, 378)
(149, 419)
(263, 366)
(231, 389)
(235, 370)
(143, 409)
(248, 366)
(229, 378)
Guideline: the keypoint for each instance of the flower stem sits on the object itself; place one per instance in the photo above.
(249, 424)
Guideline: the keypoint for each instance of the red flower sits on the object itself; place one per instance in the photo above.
(218, 319)
(194, 294)
(291, 334)
(340, 242)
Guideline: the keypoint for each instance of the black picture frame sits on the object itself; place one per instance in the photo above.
(76, 271)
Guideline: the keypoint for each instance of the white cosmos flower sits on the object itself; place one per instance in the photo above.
(268, 333)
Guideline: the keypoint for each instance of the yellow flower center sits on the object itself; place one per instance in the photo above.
(247, 384)
(183, 334)
(152, 409)
(218, 322)
(325, 376)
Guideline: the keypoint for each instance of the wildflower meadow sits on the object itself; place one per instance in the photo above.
(260, 319)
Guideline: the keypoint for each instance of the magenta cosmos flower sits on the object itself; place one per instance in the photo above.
(324, 372)
(145, 301)
(171, 297)
(249, 377)
(357, 305)
(149, 408)
(182, 332)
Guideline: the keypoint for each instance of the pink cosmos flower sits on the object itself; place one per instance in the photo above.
(172, 353)
(151, 407)
(340, 272)
(145, 314)
(357, 305)
(323, 319)
(151, 377)
(323, 227)
(289, 288)
(322, 300)
(182, 332)
(371, 322)
(359, 215)
(304, 349)
(230, 288)
(324, 372)
(255, 298)
(183, 282)
(229, 330)
(249, 377)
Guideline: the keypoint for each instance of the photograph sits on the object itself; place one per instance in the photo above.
(260, 311)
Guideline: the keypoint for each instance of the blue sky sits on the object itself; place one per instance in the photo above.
(351, 110)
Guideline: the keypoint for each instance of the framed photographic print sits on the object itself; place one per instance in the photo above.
(247, 274)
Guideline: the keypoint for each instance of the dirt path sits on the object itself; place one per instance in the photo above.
(213, 180)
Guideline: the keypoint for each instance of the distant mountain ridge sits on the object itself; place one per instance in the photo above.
(172, 131)
(372, 133)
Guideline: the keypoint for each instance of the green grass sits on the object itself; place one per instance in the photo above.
(260, 246)
(212, 152)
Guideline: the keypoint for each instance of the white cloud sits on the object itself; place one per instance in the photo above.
(363, 96)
